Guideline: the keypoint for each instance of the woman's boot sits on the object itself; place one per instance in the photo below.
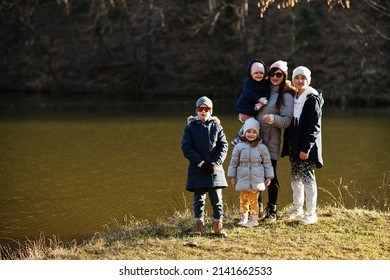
(270, 213)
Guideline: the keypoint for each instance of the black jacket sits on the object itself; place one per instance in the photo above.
(306, 135)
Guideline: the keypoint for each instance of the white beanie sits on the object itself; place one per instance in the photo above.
(302, 70)
(282, 65)
(204, 100)
(256, 67)
(252, 123)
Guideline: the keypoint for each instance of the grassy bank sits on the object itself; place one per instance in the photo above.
(340, 234)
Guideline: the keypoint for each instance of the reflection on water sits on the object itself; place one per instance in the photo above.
(71, 175)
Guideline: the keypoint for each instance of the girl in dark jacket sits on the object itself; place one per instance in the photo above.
(205, 146)
(304, 147)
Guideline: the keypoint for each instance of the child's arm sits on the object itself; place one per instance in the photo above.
(187, 146)
(233, 182)
(314, 127)
(222, 148)
(261, 102)
(232, 169)
(267, 163)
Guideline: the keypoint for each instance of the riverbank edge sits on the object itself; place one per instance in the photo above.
(340, 234)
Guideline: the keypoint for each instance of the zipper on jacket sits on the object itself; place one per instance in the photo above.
(210, 149)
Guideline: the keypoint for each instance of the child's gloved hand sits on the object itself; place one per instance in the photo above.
(208, 168)
(262, 101)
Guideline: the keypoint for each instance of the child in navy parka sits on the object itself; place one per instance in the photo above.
(205, 146)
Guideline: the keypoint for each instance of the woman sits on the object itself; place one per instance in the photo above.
(274, 117)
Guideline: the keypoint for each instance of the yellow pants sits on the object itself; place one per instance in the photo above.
(248, 202)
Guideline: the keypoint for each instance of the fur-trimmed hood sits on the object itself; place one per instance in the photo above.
(193, 119)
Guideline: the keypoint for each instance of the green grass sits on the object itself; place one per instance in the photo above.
(340, 234)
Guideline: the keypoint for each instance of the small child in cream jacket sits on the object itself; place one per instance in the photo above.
(250, 171)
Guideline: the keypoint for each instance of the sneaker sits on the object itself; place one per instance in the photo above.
(199, 229)
(244, 219)
(253, 221)
(293, 214)
(309, 219)
(218, 229)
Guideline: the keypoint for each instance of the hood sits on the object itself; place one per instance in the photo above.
(320, 98)
(318, 94)
(194, 119)
(248, 67)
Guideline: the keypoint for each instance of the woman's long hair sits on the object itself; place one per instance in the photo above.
(285, 86)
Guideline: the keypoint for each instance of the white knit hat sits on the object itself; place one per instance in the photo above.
(252, 123)
(282, 65)
(256, 67)
(302, 70)
(204, 100)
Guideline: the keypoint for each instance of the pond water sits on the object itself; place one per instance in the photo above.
(70, 174)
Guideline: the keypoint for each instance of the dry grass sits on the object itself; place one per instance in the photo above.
(340, 234)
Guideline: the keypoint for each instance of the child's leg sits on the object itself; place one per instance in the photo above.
(253, 220)
(243, 117)
(236, 140)
(244, 207)
(297, 186)
(309, 181)
(216, 203)
(199, 204)
(253, 203)
(244, 202)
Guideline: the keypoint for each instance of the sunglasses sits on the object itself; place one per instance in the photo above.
(200, 109)
(277, 74)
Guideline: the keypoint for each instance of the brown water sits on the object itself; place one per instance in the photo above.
(71, 175)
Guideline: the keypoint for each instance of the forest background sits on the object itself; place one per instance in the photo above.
(126, 50)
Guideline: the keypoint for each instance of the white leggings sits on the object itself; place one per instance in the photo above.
(304, 185)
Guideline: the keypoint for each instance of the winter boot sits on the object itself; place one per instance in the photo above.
(253, 221)
(261, 211)
(244, 219)
(270, 213)
(199, 228)
(218, 229)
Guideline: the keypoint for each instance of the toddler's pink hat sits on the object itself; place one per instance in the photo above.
(256, 67)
